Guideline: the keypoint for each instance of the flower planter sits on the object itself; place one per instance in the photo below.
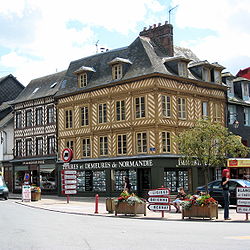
(35, 196)
(125, 208)
(209, 211)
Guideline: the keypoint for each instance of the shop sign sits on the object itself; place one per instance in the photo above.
(33, 162)
(159, 207)
(159, 200)
(26, 193)
(243, 200)
(238, 163)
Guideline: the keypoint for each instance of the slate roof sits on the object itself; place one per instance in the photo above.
(143, 57)
(10, 88)
(41, 87)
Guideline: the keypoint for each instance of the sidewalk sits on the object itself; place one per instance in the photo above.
(86, 206)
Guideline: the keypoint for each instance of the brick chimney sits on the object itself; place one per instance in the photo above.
(161, 35)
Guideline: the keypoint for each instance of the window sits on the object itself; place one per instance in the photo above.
(39, 146)
(122, 144)
(68, 118)
(140, 107)
(204, 110)
(119, 176)
(182, 108)
(117, 71)
(86, 149)
(51, 145)
(245, 91)
(230, 90)
(206, 74)
(141, 142)
(174, 179)
(217, 112)
(85, 116)
(182, 69)
(166, 142)
(231, 114)
(18, 120)
(50, 115)
(217, 76)
(70, 144)
(103, 145)
(82, 80)
(28, 147)
(28, 118)
(102, 113)
(166, 106)
(120, 110)
(18, 148)
(247, 116)
(39, 116)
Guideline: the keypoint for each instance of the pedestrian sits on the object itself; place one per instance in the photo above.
(179, 198)
(226, 194)
(127, 185)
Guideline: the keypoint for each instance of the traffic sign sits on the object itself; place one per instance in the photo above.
(69, 181)
(241, 202)
(67, 192)
(243, 192)
(159, 207)
(243, 210)
(159, 200)
(159, 192)
(67, 154)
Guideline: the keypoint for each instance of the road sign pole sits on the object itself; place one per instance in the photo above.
(162, 214)
(246, 216)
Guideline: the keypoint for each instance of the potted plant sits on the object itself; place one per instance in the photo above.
(201, 206)
(35, 193)
(129, 204)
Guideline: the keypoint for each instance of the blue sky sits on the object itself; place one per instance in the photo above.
(41, 37)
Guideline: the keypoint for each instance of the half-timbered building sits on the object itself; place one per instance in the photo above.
(120, 111)
(35, 147)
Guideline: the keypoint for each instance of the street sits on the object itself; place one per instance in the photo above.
(29, 228)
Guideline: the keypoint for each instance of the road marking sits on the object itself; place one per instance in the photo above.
(239, 237)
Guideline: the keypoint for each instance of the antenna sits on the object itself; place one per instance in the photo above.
(96, 45)
(169, 13)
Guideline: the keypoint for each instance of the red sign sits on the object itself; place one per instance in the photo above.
(67, 155)
(233, 163)
(159, 199)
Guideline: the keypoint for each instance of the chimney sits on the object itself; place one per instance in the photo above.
(162, 36)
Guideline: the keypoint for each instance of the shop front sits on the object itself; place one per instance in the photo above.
(239, 168)
(42, 173)
(106, 176)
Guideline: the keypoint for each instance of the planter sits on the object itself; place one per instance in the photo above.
(35, 196)
(125, 208)
(110, 205)
(209, 211)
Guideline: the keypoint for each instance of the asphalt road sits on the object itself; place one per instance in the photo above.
(28, 228)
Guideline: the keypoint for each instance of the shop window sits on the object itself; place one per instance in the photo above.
(28, 119)
(174, 179)
(144, 179)
(39, 146)
(88, 181)
(18, 120)
(18, 148)
(86, 147)
(50, 115)
(122, 144)
(217, 112)
(51, 145)
(166, 106)
(82, 80)
(28, 147)
(205, 110)
(120, 110)
(39, 116)
(103, 144)
(117, 71)
(142, 142)
(69, 118)
(119, 179)
(182, 108)
(85, 116)
(47, 177)
(166, 142)
(140, 107)
(102, 111)
(19, 176)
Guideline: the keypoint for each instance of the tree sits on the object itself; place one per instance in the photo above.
(208, 145)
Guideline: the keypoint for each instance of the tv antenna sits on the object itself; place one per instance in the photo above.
(96, 45)
(169, 13)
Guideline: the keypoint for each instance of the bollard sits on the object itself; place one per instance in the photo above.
(67, 198)
(96, 203)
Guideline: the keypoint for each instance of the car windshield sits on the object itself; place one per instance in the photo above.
(244, 183)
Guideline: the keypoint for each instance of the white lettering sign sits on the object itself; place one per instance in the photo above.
(70, 172)
(159, 199)
(70, 191)
(70, 187)
(69, 181)
(243, 192)
(158, 192)
(241, 202)
(26, 193)
(69, 177)
(244, 210)
(156, 207)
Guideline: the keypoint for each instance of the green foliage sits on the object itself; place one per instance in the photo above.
(209, 144)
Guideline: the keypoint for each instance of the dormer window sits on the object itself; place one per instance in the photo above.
(182, 69)
(230, 86)
(205, 74)
(217, 76)
(117, 71)
(82, 80)
(245, 91)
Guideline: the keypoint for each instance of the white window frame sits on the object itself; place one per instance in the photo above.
(141, 142)
(83, 80)
(217, 76)
(182, 69)
(182, 109)
(117, 71)
(204, 110)
(246, 116)
(245, 91)
(86, 147)
(68, 118)
(206, 74)
(84, 116)
(231, 114)
(166, 105)
(166, 141)
(120, 110)
(217, 112)
(140, 107)
(122, 144)
(103, 146)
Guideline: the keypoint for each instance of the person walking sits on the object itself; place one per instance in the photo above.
(226, 194)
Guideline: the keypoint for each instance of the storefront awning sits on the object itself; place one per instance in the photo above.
(238, 163)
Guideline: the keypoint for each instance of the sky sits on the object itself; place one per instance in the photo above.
(41, 37)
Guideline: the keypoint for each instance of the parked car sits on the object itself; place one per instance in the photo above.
(4, 191)
(215, 189)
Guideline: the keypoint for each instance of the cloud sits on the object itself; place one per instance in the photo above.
(229, 21)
